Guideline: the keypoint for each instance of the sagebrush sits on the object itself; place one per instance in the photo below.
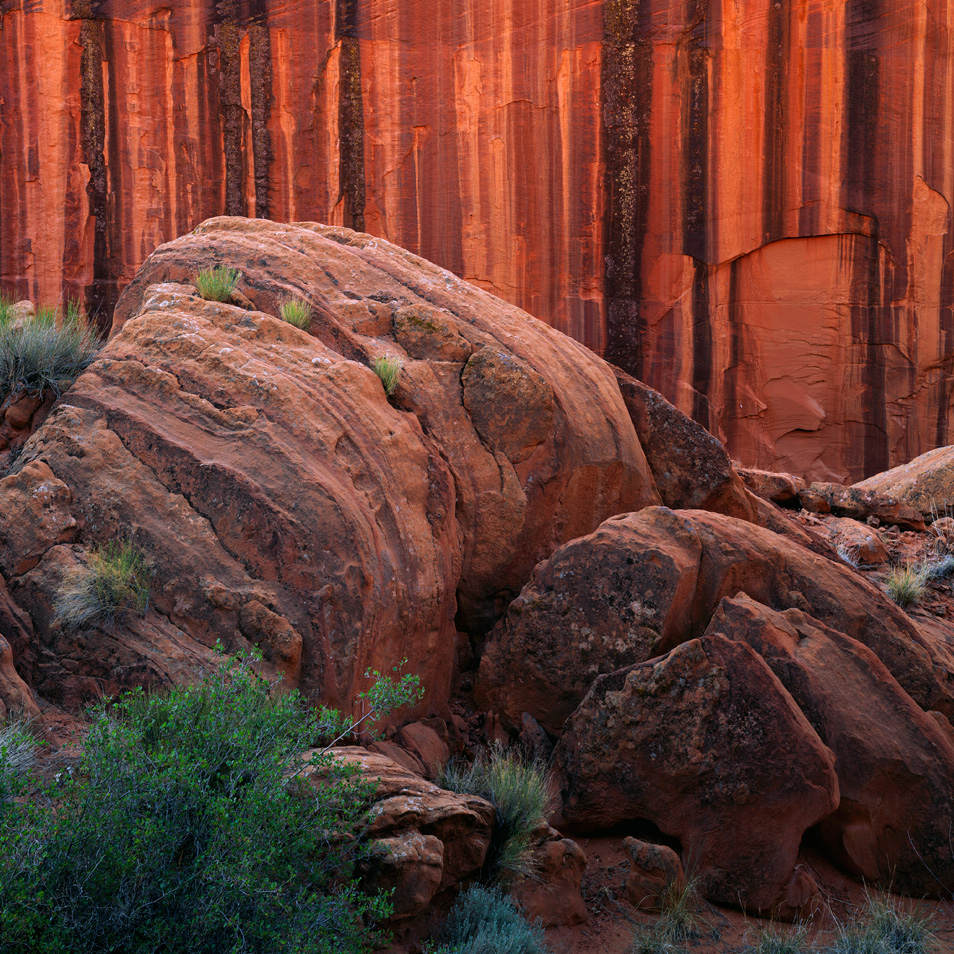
(17, 757)
(485, 921)
(187, 829)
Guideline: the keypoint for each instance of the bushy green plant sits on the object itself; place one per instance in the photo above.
(388, 693)
(905, 585)
(484, 921)
(187, 829)
(518, 791)
(296, 312)
(388, 369)
(883, 928)
(46, 352)
(17, 755)
(217, 284)
(107, 590)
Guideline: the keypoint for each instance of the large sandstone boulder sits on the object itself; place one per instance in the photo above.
(860, 502)
(280, 497)
(644, 582)
(707, 744)
(895, 764)
(528, 424)
(620, 595)
(925, 483)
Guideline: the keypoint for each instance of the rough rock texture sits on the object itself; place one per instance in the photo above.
(553, 895)
(779, 488)
(857, 541)
(20, 415)
(16, 698)
(653, 871)
(895, 764)
(691, 467)
(620, 595)
(644, 582)
(745, 205)
(705, 743)
(860, 502)
(926, 483)
(430, 839)
(280, 497)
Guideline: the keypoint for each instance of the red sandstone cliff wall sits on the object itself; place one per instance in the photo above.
(745, 203)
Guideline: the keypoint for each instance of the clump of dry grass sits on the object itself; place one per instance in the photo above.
(105, 591)
(388, 369)
(296, 312)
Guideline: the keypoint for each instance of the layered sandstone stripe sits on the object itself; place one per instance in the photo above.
(743, 203)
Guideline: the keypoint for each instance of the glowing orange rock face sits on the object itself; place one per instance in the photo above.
(743, 203)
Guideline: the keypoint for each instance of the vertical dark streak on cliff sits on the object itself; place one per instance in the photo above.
(101, 291)
(350, 115)
(696, 154)
(229, 39)
(773, 189)
(696, 212)
(701, 345)
(945, 347)
(730, 386)
(626, 91)
(260, 70)
(867, 318)
(875, 454)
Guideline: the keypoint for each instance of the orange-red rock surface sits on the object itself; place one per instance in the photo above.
(744, 204)
(281, 497)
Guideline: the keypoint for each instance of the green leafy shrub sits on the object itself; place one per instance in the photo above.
(47, 352)
(296, 312)
(388, 693)
(883, 928)
(187, 829)
(216, 284)
(105, 591)
(484, 921)
(905, 585)
(518, 791)
(388, 369)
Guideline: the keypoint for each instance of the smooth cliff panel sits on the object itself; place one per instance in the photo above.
(743, 203)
